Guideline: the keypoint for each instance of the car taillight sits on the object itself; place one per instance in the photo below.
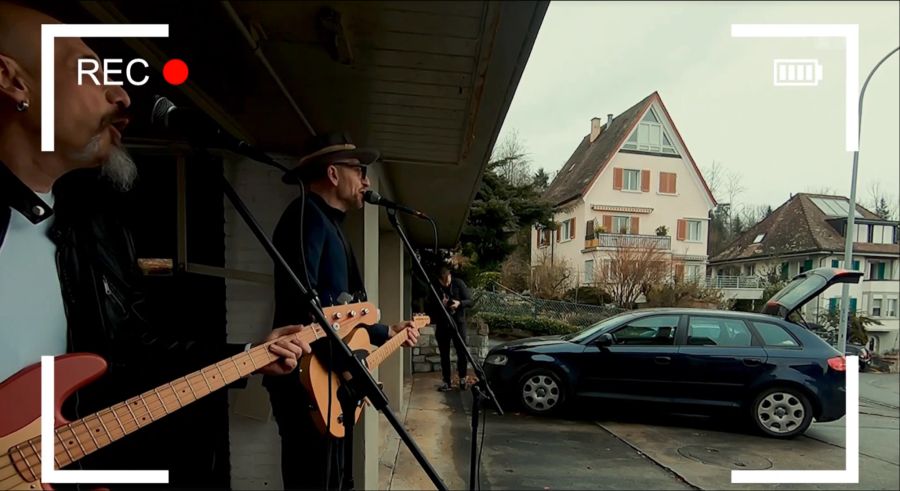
(838, 363)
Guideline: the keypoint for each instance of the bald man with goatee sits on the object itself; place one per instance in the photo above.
(69, 280)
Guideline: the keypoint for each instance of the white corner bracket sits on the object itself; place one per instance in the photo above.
(49, 473)
(848, 475)
(849, 32)
(49, 33)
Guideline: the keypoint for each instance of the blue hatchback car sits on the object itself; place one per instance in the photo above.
(774, 370)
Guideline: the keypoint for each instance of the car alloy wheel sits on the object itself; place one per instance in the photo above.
(782, 412)
(541, 392)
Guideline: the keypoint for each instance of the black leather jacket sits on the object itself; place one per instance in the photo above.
(100, 282)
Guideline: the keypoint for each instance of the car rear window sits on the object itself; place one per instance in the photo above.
(774, 335)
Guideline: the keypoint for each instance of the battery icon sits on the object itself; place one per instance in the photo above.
(797, 73)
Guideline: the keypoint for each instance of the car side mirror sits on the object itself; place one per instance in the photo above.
(604, 339)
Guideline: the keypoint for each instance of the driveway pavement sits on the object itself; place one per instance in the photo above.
(607, 450)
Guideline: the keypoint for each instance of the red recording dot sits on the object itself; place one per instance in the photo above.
(175, 71)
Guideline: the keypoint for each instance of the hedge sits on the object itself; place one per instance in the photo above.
(540, 326)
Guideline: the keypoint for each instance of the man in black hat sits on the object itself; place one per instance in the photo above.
(309, 236)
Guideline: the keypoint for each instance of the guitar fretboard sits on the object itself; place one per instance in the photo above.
(87, 435)
(384, 351)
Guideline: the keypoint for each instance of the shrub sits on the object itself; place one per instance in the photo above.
(684, 294)
(521, 325)
(588, 295)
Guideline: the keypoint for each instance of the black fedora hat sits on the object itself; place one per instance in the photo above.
(329, 147)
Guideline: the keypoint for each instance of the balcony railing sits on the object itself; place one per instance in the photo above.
(734, 282)
(628, 240)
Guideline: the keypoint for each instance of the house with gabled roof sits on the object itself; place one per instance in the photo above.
(807, 232)
(631, 180)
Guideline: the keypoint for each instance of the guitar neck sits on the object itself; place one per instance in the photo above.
(384, 351)
(87, 435)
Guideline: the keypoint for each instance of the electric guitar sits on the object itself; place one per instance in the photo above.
(315, 375)
(20, 398)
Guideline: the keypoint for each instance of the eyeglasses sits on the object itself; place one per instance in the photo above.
(363, 169)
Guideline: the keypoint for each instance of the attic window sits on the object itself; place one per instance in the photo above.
(650, 136)
(758, 238)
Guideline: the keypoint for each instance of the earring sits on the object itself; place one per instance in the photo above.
(22, 106)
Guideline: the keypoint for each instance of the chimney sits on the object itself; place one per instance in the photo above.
(609, 119)
(596, 128)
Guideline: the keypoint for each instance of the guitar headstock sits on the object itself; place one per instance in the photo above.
(421, 320)
(348, 316)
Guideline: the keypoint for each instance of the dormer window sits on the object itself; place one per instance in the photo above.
(650, 136)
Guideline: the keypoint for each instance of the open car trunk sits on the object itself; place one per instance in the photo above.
(805, 287)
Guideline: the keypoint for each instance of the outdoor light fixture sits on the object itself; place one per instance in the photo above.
(334, 36)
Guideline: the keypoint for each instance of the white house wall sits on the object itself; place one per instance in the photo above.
(569, 250)
(689, 202)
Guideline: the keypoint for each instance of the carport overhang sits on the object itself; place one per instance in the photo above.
(428, 83)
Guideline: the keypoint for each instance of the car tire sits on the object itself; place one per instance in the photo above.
(541, 392)
(781, 412)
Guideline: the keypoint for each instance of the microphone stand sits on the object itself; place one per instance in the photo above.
(362, 382)
(481, 390)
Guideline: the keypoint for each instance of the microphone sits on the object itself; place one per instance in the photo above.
(200, 129)
(374, 198)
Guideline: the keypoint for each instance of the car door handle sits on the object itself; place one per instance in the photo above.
(662, 360)
(752, 362)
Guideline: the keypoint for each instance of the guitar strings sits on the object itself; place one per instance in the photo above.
(122, 428)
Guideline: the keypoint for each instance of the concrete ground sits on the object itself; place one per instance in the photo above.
(605, 450)
(520, 452)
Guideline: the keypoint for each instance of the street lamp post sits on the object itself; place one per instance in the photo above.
(848, 242)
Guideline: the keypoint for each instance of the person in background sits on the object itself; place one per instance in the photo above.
(456, 297)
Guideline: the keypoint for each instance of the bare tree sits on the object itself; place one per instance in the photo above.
(550, 279)
(632, 267)
(826, 190)
(714, 175)
(511, 162)
(753, 214)
(882, 203)
(733, 186)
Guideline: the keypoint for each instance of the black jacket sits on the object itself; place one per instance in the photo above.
(458, 290)
(100, 282)
(330, 265)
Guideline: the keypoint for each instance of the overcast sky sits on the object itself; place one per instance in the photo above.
(595, 58)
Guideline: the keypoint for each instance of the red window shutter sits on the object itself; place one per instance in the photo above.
(572, 229)
(635, 225)
(539, 232)
(682, 225)
(617, 178)
(589, 229)
(607, 223)
(558, 232)
(645, 181)
(672, 187)
(667, 182)
(679, 271)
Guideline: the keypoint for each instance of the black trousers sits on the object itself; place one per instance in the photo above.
(307, 456)
(444, 336)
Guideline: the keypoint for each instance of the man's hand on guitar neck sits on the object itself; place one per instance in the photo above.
(289, 349)
(411, 332)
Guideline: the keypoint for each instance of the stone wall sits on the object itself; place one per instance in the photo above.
(427, 358)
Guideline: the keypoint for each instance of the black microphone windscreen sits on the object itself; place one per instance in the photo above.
(372, 197)
(161, 108)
